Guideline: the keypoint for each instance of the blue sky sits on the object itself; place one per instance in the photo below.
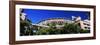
(37, 15)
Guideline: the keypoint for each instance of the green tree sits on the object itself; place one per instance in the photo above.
(71, 28)
(25, 23)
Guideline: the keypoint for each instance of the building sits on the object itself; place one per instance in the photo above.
(56, 21)
(23, 16)
(84, 24)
